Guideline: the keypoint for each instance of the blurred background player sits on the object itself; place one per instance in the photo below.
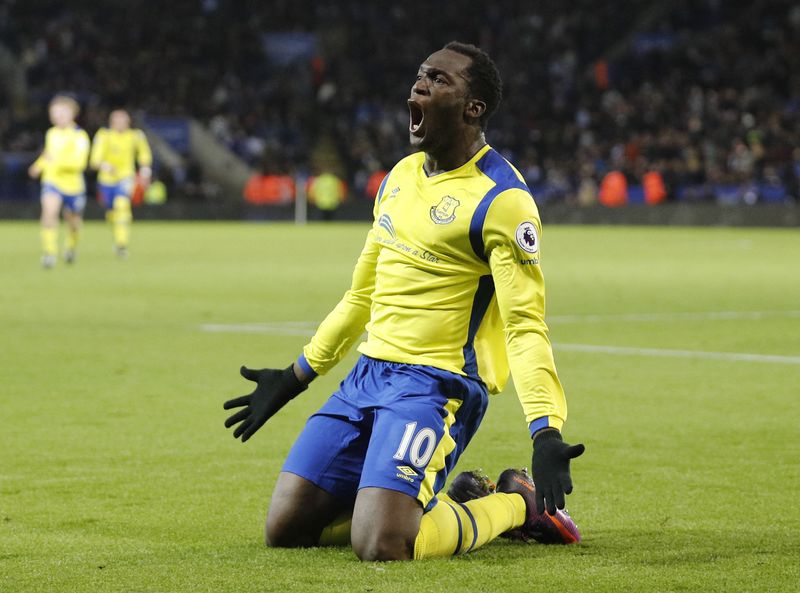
(116, 150)
(61, 166)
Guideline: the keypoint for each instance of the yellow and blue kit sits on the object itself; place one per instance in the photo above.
(121, 151)
(450, 291)
(63, 161)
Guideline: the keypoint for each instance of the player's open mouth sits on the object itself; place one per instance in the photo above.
(416, 117)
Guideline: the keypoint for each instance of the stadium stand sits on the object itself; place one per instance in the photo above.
(704, 93)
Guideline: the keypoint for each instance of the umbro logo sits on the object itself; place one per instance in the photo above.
(406, 473)
(409, 471)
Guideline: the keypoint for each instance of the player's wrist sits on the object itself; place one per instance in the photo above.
(546, 434)
(543, 423)
(292, 384)
(303, 371)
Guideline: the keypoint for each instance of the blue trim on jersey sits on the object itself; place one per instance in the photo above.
(460, 529)
(303, 364)
(496, 168)
(480, 304)
(474, 527)
(386, 222)
(539, 424)
(382, 187)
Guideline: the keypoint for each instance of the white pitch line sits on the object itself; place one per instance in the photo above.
(307, 328)
(283, 328)
(687, 316)
(667, 353)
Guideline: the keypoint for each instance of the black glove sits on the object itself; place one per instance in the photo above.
(550, 465)
(275, 389)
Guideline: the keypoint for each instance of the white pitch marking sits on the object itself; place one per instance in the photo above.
(667, 353)
(282, 328)
(688, 316)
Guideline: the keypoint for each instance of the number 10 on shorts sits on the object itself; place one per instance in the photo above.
(419, 446)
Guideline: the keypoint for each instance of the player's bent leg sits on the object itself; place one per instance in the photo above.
(74, 221)
(385, 525)
(51, 205)
(122, 218)
(299, 512)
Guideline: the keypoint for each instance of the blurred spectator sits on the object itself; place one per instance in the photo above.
(326, 191)
(156, 193)
(269, 186)
(655, 191)
(613, 190)
(708, 98)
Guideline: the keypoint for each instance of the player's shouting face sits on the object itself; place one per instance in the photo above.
(440, 107)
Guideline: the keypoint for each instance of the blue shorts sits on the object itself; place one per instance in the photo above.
(390, 425)
(108, 192)
(75, 203)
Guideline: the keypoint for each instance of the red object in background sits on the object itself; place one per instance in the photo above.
(655, 191)
(269, 189)
(613, 190)
(601, 79)
(137, 195)
(374, 184)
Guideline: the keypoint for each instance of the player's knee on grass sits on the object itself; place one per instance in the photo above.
(298, 513)
(383, 547)
(385, 525)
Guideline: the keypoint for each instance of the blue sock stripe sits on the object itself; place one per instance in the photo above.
(474, 527)
(460, 529)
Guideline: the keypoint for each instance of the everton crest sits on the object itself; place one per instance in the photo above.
(444, 211)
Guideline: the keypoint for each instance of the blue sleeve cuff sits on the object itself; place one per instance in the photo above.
(303, 363)
(539, 424)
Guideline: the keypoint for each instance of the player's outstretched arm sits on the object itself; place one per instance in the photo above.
(550, 464)
(274, 389)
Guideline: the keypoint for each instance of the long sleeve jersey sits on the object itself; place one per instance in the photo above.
(122, 151)
(63, 161)
(450, 277)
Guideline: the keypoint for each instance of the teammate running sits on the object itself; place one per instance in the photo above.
(61, 166)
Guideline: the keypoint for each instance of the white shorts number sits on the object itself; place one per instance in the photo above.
(419, 447)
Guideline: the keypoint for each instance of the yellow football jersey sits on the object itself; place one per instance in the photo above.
(122, 151)
(63, 160)
(450, 277)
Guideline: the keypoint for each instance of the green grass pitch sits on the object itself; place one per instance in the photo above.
(117, 475)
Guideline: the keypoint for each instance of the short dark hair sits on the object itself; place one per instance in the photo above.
(484, 77)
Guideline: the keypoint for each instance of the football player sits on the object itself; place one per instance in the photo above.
(116, 150)
(60, 167)
(450, 290)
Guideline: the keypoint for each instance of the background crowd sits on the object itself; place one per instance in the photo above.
(704, 94)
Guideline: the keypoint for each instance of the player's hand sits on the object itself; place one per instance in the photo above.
(273, 391)
(551, 457)
(34, 171)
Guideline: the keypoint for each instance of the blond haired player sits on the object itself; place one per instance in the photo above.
(61, 166)
(116, 150)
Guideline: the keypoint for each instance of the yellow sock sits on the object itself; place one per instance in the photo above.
(122, 221)
(451, 528)
(338, 532)
(71, 242)
(49, 241)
